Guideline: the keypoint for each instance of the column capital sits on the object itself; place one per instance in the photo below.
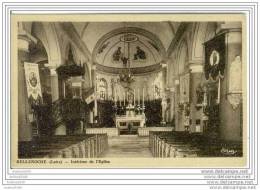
(93, 66)
(230, 25)
(52, 64)
(170, 89)
(196, 68)
(164, 65)
(53, 71)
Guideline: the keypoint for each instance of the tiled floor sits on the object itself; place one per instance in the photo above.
(128, 146)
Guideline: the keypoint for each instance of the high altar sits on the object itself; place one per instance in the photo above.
(132, 114)
(123, 121)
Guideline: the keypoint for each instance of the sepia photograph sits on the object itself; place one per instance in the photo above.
(129, 95)
(158, 89)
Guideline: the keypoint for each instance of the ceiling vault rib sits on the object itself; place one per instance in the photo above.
(83, 30)
(172, 28)
(71, 31)
(176, 38)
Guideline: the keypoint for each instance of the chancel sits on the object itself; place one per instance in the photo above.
(130, 89)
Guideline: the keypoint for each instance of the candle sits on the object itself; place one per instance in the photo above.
(124, 97)
(138, 94)
(218, 100)
(120, 100)
(115, 97)
(134, 97)
(204, 99)
(153, 92)
(143, 97)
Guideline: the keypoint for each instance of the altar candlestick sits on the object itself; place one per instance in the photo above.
(204, 99)
(124, 97)
(115, 97)
(134, 97)
(138, 94)
(218, 100)
(143, 97)
(153, 92)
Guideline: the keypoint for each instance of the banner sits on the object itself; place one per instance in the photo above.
(90, 96)
(215, 55)
(33, 82)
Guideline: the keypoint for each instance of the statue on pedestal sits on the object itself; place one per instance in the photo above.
(164, 107)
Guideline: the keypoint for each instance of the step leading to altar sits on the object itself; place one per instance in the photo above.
(111, 132)
(145, 131)
(141, 131)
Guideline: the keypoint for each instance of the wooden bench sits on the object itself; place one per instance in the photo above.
(81, 146)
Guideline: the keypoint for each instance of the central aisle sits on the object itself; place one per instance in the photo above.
(128, 146)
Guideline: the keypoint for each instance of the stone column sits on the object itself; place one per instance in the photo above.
(163, 93)
(24, 110)
(94, 84)
(54, 85)
(170, 88)
(230, 112)
(195, 80)
(177, 112)
(55, 92)
(91, 117)
(172, 108)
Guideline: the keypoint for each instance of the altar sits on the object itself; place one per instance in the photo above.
(123, 121)
(132, 120)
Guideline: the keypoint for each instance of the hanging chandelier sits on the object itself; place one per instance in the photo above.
(126, 75)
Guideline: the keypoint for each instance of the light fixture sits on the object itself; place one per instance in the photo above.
(126, 75)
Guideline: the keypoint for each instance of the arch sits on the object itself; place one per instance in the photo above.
(211, 31)
(182, 57)
(203, 31)
(47, 34)
(87, 76)
(134, 30)
(75, 54)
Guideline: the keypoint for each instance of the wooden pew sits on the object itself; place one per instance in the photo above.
(76, 146)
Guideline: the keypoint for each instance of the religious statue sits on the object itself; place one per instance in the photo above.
(117, 54)
(235, 73)
(164, 107)
(200, 94)
(140, 54)
(235, 82)
(168, 108)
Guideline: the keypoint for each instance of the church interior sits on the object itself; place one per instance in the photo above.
(129, 89)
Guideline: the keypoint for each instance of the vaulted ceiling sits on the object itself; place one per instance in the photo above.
(91, 32)
(144, 44)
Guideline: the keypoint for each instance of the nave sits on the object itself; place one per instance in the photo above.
(159, 144)
(130, 89)
(126, 146)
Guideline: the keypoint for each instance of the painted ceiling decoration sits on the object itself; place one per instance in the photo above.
(116, 44)
(91, 32)
(135, 46)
